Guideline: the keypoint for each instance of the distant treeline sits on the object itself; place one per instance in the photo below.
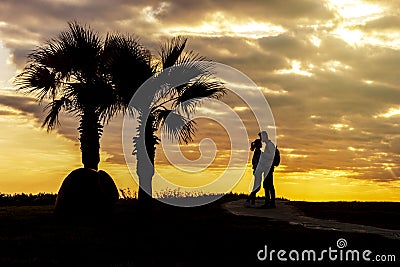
(23, 199)
(39, 199)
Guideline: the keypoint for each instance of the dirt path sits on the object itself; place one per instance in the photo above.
(285, 212)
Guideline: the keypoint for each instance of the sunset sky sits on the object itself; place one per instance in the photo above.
(329, 70)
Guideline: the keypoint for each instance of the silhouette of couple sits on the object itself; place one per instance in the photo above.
(265, 158)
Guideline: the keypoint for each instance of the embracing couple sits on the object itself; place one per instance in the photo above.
(265, 158)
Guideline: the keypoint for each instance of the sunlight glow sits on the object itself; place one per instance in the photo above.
(352, 37)
(334, 66)
(315, 40)
(217, 25)
(7, 70)
(150, 13)
(296, 156)
(341, 126)
(296, 69)
(355, 14)
(355, 149)
(269, 91)
(26, 146)
(288, 152)
(368, 81)
(389, 167)
(356, 10)
(390, 113)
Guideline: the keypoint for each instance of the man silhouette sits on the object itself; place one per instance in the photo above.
(269, 159)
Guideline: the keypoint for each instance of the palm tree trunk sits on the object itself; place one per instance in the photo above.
(90, 132)
(145, 147)
(145, 153)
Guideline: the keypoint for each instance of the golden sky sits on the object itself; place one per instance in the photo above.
(329, 70)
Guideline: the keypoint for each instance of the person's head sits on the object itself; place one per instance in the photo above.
(256, 144)
(263, 135)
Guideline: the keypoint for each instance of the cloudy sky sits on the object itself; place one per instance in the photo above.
(329, 70)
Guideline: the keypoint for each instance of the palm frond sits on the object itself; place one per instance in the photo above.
(171, 51)
(106, 99)
(54, 108)
(54, 56)
(128, 63)
(39, 80)
(190, 56)
(74, 52)
(193, 94)
(180, 75)
(81, 47)
(175, 126)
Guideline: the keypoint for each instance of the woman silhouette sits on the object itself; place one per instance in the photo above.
(256, 146)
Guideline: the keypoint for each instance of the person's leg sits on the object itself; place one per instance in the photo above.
(272, 192)
(271, 189)
(256, 187)
(251, 193)
(265, 185)
(267, 195)
(252, 196)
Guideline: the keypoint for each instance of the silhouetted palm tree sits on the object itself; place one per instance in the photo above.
(94, 78)
(91, 77)
(171, 108)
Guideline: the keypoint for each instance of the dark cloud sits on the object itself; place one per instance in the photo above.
(294, 47)
(6, 113)
(29, 106)
(278, 12)
(25, 104)
(39, 19)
